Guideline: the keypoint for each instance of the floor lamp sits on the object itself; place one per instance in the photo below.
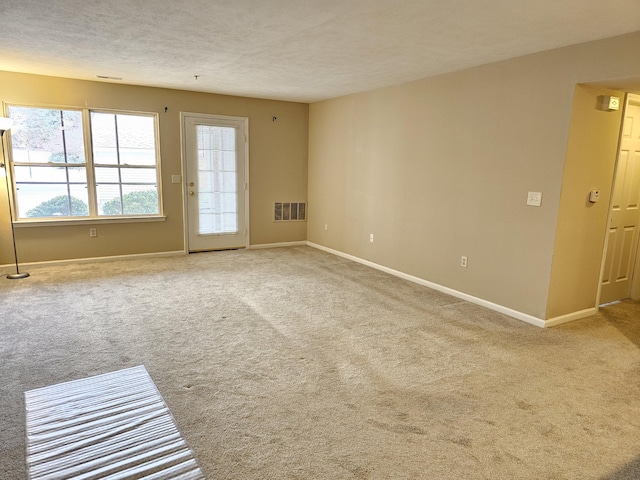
(5, 124)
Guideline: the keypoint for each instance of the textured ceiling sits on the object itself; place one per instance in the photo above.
(299, 50)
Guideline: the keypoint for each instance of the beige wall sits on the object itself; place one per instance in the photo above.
(435, 169)
(590, 163)
(277, 166)
(441, 168)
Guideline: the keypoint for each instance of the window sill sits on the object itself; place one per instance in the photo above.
(87, 221)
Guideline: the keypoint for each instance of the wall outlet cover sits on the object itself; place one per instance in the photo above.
(534, 199)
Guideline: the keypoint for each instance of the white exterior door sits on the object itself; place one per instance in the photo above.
(216, 194)
(622, 246)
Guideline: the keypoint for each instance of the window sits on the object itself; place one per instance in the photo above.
(57, 175)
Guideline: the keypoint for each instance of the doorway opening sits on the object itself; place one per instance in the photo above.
(619, 278)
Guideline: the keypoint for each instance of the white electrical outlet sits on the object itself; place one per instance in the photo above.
(93, 232)
(534, 199)
(463, 261)
(371, 237)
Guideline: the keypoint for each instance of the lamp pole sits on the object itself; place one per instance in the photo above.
(5, 124)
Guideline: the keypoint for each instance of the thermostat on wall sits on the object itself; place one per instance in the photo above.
(610, 103)
(594, 196)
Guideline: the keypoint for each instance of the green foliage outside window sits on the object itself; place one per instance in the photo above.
(135, 203)
(59, 207)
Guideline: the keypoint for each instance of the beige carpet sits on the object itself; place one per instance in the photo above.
(295, 364)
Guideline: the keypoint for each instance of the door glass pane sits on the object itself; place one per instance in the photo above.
(217, 180)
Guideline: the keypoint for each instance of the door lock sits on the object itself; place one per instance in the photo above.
(191, 194)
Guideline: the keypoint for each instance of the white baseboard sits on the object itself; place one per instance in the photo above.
(538, 322)
(277, 245)
(570, 317)
(97, 259)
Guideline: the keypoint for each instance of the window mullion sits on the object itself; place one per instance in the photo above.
(115, 119)
(91, 183)
(66, 163)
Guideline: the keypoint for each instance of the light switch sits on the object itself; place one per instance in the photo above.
(175, 178)
(610, 103)
(534, 199)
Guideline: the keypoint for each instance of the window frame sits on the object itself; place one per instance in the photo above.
(94, 217)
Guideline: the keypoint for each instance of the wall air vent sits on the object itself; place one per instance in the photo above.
(290, 211)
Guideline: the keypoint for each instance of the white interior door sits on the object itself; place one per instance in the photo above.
(216, 194)
(622, 245)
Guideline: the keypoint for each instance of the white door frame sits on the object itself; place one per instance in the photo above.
(636, 262)
(183, 149)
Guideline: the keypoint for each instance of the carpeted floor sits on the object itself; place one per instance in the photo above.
(292, 363)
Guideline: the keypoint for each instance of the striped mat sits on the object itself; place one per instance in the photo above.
(111, 426)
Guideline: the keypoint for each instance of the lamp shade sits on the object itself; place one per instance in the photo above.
(5, 123)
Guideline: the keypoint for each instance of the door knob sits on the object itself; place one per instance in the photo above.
(191, 184)
(191, 194)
